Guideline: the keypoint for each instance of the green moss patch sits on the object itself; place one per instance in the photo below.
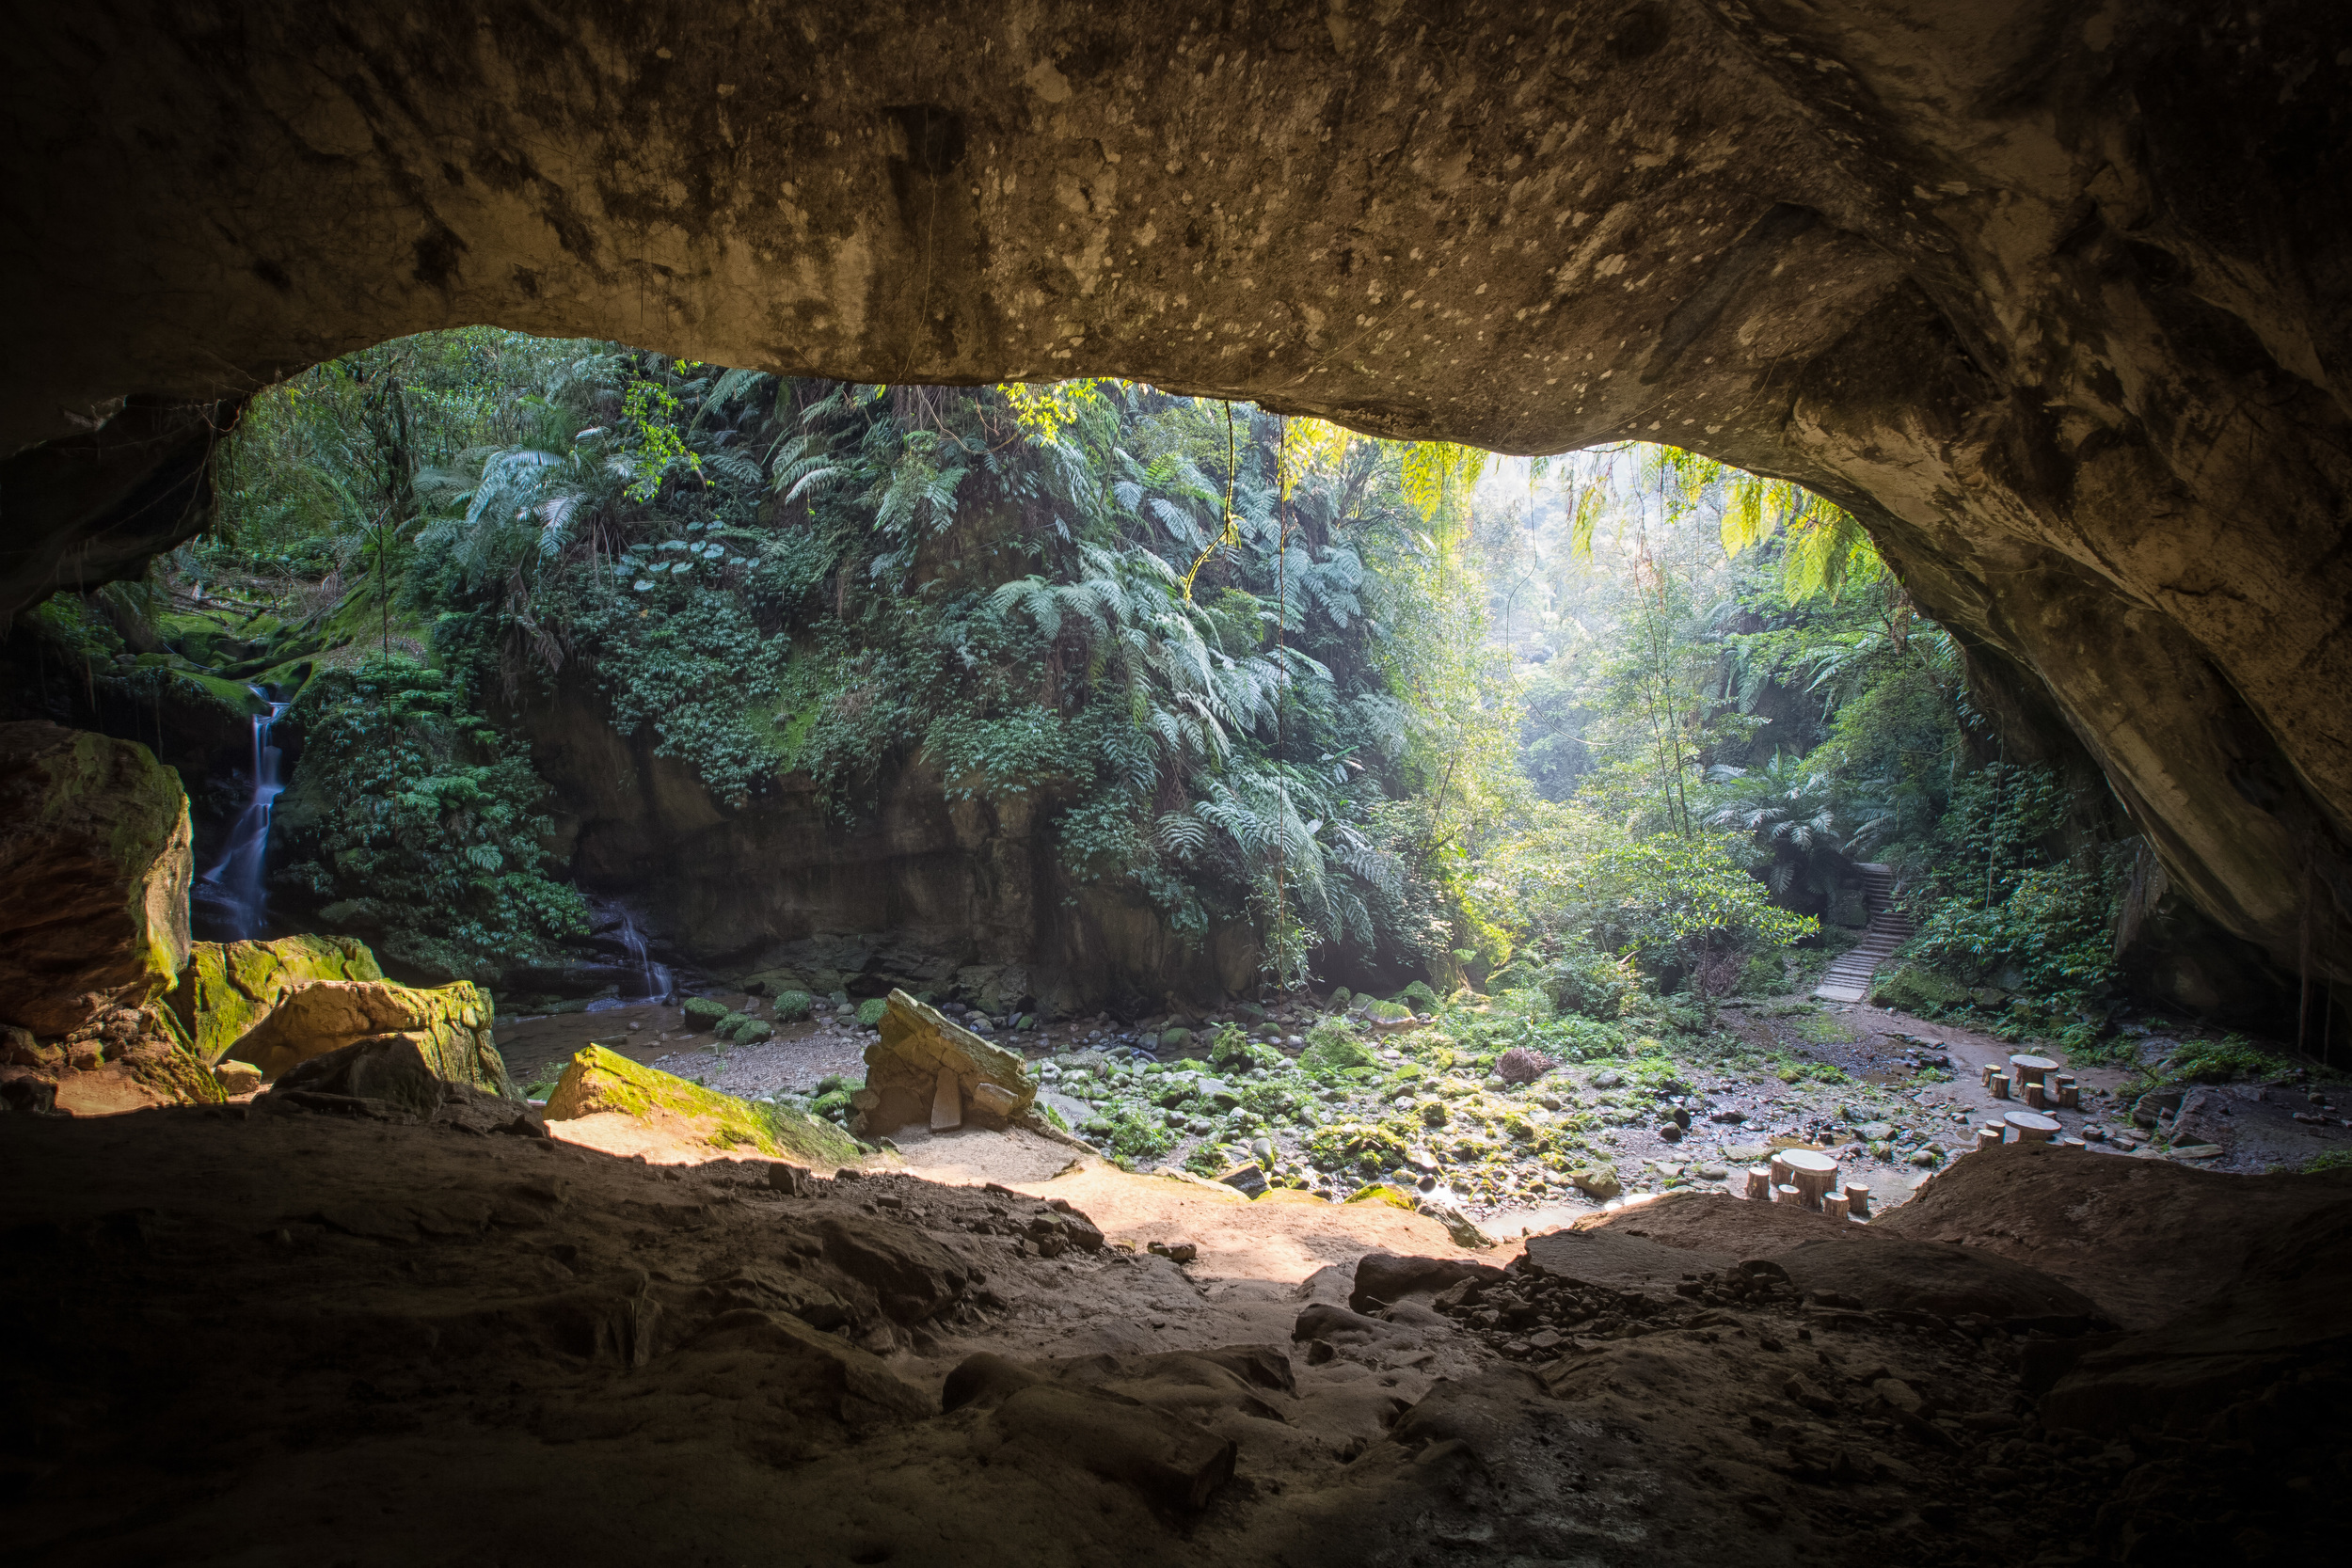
(598, 1080)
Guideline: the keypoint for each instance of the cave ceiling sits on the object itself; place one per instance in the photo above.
(2052, 296)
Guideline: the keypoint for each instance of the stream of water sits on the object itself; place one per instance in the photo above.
(233, 892)
(654, 979)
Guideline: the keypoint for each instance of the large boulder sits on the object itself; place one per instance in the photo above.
(922, 1055)
(226, 989)
(451, 1025)
(597, 1082)
(94, 871)
(390, 1077)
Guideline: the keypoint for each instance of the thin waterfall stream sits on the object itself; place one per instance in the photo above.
(233, 892)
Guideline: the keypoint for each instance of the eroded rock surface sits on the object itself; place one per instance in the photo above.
(2055, 301)
(94, 869)
(492, 1329)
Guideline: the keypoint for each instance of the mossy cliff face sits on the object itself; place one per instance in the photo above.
(2055, 300)
(596, 1082)
(94, 871)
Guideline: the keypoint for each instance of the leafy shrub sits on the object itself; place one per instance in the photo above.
(1135, 1134)
(2220, 1061)
(703, 1013)
(1581, 980)
(870, 1011)
(410, 819)
(793, 1006)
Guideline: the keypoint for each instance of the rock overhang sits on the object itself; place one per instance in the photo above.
(2048, 301)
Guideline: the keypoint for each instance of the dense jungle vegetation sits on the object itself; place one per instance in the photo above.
(1611, 730)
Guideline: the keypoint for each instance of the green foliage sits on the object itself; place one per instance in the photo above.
(410, 815)
(793, 1006)
(870, 1011)
(2220, 1061)
(1135, 1134)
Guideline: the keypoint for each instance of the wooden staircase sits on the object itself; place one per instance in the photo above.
(1849, 978)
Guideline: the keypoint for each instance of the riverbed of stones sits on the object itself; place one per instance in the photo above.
(1428, 1122)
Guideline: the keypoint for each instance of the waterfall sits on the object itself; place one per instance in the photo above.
(232, 890)
(653, 978)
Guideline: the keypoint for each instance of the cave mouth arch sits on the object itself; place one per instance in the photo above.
(2052, 304)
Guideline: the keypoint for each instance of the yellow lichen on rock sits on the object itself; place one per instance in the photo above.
(597, 1082)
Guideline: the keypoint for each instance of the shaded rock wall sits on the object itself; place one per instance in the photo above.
(94, 872)
(2055, 301)
(787, 891)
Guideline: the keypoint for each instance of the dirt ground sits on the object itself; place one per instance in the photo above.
(288, 1336)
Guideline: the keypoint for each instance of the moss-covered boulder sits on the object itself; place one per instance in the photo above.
(703, 1013)
(450, 1024)
(1915, 990)
(920, 1053)
(94, 872)
(228, 988)
(596, 1082)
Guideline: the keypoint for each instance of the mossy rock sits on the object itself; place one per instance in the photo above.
(596, 1081)
(793, 1006)
(1914, 988)
(1387, 1012)
(703, 1013)
(870, 1011)
(1418, 996)
(746, 1030)
(1597, 1181)
(1331, 1048)
(1382, 1191)
(228, 988)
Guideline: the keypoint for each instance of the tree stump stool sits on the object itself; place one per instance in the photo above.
(2033, 1127)
(1779, 1168)
(1813, 1175)
(1858, 1199)
(2031, 1070)
(1787, 1193)
(1985, 1073)
(1759, 1186)
(2036, 1095)
(1999, 1085)
(2070, 1094)
(1991, 1134)
(1836, 1205)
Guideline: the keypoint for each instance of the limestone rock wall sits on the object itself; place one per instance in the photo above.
(94, 872)
(2056, 299)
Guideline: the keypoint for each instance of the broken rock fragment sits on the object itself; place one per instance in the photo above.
(926, 1067)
